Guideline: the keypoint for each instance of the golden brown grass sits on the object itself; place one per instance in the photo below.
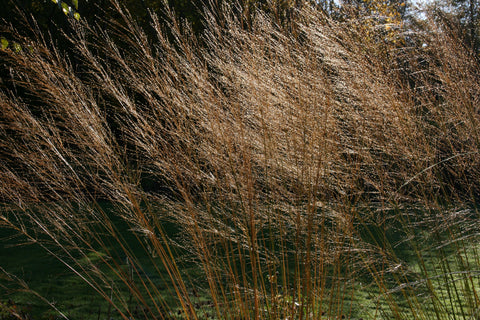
(273, 150)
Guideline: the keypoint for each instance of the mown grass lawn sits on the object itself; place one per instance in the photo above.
(435, 275)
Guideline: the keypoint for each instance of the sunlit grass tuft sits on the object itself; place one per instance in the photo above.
(304, 171)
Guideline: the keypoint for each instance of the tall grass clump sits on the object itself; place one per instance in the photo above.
(310, 169)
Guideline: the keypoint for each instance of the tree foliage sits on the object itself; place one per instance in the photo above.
(460, 17)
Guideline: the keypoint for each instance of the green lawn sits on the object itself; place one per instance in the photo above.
(435, 278)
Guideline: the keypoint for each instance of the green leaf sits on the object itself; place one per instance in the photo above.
(75, 4)
(17, 47)
(66, 8)
(4, 43)
(55, 1)
(76, 15)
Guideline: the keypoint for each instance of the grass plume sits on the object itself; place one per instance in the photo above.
(290, 164)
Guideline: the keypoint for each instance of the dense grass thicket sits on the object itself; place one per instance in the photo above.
(309, 169)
